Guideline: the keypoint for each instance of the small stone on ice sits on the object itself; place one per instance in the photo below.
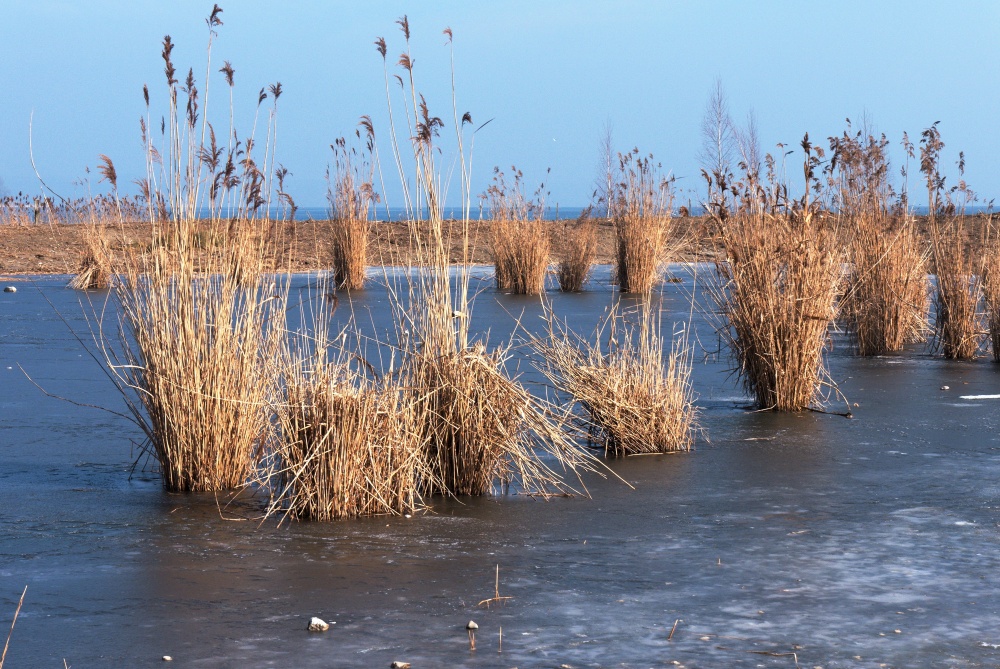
(472, 625)
(10, 289)
(399, 665)
(318, 625)
(945, 388)
(167, 658)
(897, 631)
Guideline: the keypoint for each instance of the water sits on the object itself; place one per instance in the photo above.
(809, 534)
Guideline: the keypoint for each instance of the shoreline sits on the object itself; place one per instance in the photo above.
(58, 248)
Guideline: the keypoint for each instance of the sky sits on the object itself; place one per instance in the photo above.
(552, 75)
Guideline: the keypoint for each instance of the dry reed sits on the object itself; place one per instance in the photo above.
(990, 274)
(479, 427)
(348, 443)
(518, 235)
(199, 332)
(95, 270)
(637, 398)
(642, 211)
(574, 268)
(958, 328)
(776, 294)
(885, 297)
(351, 195)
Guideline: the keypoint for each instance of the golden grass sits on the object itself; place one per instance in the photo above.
(636, 397)
(519, 240)
(479, 427)
(95, 269)
(351, 195)
(990, 274)
(198, 356)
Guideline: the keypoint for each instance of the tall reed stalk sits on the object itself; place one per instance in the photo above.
(479, 427)
(958, 327)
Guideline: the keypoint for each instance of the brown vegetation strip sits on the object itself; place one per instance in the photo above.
(59, 248)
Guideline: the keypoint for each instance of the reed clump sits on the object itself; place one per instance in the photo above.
(636, 396)
(199, 332)
(885, 297)
(352, 196)
(642, 217)
(958, 327)
(776, 294)
(518, 236)
(95, 270)
(348, 444)
(479, 427)
(574, 268)
(990, 275)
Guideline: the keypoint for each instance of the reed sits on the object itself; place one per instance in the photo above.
(885, 298)
(958, 327)
(95, 270)
(199, 331)
(642, 222)
(518, 235)
(348, 442)
(479, 427)
(958, 321)
(990, 274)
(636, 396)
(574, 268)
(351, 194)
(776, 294)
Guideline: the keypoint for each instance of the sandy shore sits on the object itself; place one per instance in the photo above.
(58, 248)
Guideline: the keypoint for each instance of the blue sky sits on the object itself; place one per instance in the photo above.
(550, 74)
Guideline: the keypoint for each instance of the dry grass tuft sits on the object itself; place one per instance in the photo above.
(198, 356)
(478, 425)
(958, 326)
(642, 211)
(637, 398)
(519, 240)
(885, 302)
(574, 269)
(958, 329)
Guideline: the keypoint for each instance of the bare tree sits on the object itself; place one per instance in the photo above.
(718, 146)
(604, 183)
(747, 141)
